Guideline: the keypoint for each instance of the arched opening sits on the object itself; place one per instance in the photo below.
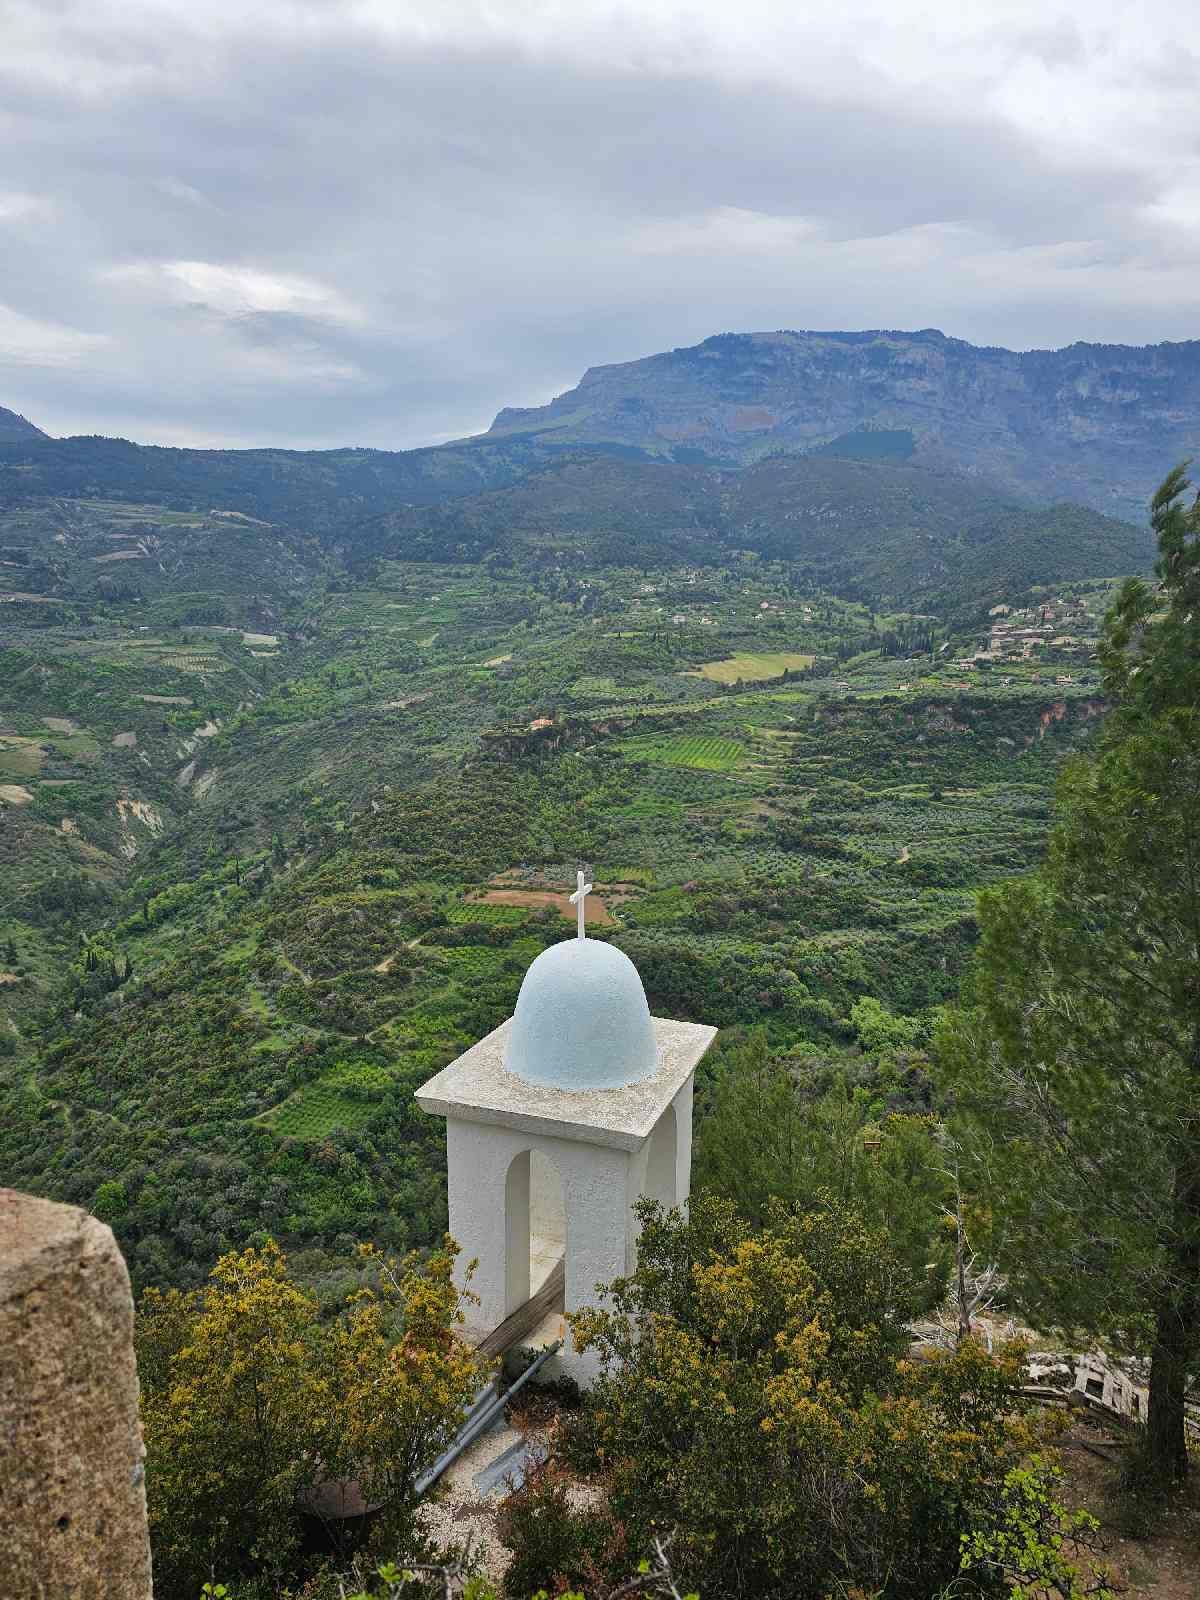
(661, 1182)
(535, 1217)
(547, 1219)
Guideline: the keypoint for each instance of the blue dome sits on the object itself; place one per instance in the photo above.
(582, 1021)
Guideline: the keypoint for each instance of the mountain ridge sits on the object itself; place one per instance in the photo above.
(14, 427)
(1093, 423)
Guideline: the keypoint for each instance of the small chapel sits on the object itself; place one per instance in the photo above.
(556, 1124)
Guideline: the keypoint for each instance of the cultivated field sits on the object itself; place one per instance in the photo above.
(595, 911)
(751, 667)
(687, 750)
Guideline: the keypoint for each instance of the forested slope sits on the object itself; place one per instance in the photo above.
(861, 521)
(876, 530)
(254, 1072)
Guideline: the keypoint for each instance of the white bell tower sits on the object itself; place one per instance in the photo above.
(555, 1124)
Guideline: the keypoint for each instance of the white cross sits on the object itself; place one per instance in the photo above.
(582, 890)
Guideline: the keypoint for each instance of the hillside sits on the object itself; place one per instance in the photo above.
(1097, 424)
(259, 1076)
(92, 518)
(889, 532)
(325, 492)
(15, 428)
(348, 845)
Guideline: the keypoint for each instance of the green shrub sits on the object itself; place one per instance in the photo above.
(553, 1543)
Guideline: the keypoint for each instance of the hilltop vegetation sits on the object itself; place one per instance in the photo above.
(14, 427)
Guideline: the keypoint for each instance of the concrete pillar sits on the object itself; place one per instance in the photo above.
(479, 1166)
(599, 1235)
(73, 1518)
(516, 1233)
(683, 1141)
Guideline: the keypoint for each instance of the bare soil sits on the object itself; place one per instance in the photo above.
(1152, 1559)
(596, 913)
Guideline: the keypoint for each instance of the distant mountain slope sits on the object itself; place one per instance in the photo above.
(15, 427)
(896, 466)
(1100, 424)
(881, 530)
(318, 491)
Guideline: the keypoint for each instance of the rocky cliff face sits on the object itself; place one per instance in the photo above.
(1100, 424)
(14, 428)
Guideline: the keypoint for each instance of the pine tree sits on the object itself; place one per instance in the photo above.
(1076, 1064)
(1150, 651)
(1077, 1067)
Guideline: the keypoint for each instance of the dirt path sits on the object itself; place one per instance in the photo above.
(386, 964)
(1156, 1562)
(305, 978)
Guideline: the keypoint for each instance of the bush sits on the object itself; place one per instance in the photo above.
(758, 1402)
(553, 1543)
(250, 1399)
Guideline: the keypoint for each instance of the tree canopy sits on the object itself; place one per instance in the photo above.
(763, 1142)
(758, 1404)
(1076, 1058)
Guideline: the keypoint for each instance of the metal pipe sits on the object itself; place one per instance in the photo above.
(474, 1427)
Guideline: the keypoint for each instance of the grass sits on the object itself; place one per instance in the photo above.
(688, 750)
(752, 667)
(20, 758)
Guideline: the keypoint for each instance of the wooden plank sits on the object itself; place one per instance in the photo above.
(550, 1297)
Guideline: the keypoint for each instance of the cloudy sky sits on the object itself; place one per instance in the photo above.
(323, 222)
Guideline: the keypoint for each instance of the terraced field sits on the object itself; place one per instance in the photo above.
(688, 750)
(313, 1112)
(497, 913)
(192, 662)
(346, 1098)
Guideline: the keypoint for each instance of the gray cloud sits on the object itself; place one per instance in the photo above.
(311, 225)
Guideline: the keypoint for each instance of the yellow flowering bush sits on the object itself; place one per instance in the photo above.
(758, 1404)
(250, 1399)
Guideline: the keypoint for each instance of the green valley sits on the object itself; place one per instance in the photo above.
(283, 825)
